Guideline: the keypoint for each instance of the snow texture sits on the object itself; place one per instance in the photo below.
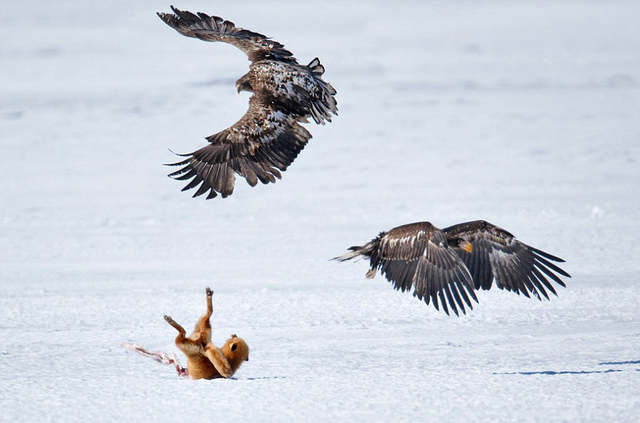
(523, 113)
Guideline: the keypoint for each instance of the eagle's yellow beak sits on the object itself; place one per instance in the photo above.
(466, 245)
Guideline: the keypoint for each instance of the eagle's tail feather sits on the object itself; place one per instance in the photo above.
(323, 104)
(356, 251)
(316, 67)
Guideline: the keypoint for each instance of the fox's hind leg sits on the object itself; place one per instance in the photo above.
(181, 332)
(203, 326)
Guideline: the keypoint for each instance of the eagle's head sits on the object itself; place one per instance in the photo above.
(243, 84)
(460, 243)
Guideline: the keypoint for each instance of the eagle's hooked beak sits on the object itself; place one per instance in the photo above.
(466, 245)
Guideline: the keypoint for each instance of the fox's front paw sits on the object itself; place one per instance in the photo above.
(209, 292)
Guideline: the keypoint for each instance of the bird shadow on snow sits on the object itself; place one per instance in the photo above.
(582, 372)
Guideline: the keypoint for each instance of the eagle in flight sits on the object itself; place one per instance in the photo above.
(268, 138)
(446, 266)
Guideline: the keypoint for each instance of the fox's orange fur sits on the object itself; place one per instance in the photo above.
(204, 359)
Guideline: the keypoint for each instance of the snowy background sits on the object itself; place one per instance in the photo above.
(526, 114)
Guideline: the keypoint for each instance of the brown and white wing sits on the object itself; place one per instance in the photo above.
(213, 28)
(263, 143)
(417, 255)
(497, 255)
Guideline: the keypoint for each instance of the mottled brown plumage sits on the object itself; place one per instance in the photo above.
(268, 138)
(445, 266)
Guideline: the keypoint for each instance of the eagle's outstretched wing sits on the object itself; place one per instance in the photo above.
(259, 146)
(213, 28)
(496, 254)
(418, 256)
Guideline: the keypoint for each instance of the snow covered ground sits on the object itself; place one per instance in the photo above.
(526, 114)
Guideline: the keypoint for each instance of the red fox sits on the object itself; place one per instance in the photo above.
(204, 359)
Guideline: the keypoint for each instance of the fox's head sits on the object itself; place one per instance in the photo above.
(236, 351)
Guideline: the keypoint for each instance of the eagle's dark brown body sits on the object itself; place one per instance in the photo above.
(268, 138)
(445, 266)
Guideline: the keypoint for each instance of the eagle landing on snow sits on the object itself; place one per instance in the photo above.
(448, 265)
(268, 138)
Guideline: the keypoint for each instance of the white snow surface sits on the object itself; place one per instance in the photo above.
(523, 113)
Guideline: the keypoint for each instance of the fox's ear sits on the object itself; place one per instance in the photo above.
(233, 335)
(234, 346)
